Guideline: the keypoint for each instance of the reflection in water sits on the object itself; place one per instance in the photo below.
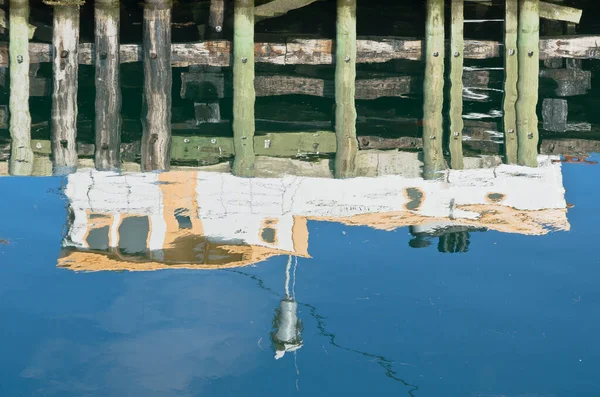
(204, 220)
(269, 126)
(385, 363)
(287, 327)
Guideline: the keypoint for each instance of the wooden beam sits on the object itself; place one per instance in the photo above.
(319, 51)
(21, 158)
(559, 13)
(550, 11)
(108, 85)
(215, 19)
(243, 94)
(345, 79)
(275, 8)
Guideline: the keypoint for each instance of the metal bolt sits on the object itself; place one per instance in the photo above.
(436, 54)
(511, 52)
(432, 137)
(244, 59)
(64, 54)
(456, 54)
(20, 58)
(511, 131)
(456, 134)
(530, 135)
(267, 143)
(186, 140)
(38, 145)
(218, 29)
(347, 59)
(530, 53)
(213, 141)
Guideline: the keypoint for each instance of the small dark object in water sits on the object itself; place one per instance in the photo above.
(3, 242)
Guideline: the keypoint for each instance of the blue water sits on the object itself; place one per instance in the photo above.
(514, 316)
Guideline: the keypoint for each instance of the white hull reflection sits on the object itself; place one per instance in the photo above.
(194, 219)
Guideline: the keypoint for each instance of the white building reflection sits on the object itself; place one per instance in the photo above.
(193, 219)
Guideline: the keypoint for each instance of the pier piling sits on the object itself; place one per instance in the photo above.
(511, 76)
(433, 93)
(345, 79)
(21, 156)
(528, 82)
(457, 46)
(158, 81)
(65, 45)
(108, 90)
(243, 88)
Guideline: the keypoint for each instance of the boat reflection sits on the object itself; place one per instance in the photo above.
(209, 220)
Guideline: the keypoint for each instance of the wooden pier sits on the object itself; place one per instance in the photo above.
(432, 62)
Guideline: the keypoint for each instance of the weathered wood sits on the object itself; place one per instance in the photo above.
(345, 77)
(21, 158)
(571, 147)
(456, 83)
(511, 70)
(569, 82)
(550, 11)
(528, 84)
(216, 15)
(3, 25)
(156, 112)
(65, 41)
(243, 93)
(433, 92)
(108, 90)
(319, 51)
(554, 114)
(558, 12)
(277, 8)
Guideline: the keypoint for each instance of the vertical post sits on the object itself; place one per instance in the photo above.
(456, 90)
(243, 88)
(215, 19)
(345, 78)
(65, 43)
(528, 83)
(433, 95)
(158, 82)
(21, 155)
(511, 70)
(108, 92)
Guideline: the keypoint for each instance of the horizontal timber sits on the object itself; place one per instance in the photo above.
(319, 51)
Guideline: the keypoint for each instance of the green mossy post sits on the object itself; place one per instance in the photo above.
(528, 83)
(21, 155)
(65, 44)
(511, 70)
(457, 44)
(108, 85)
(433, 94)
(158, 82)
(345, 78)
(243, 91)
